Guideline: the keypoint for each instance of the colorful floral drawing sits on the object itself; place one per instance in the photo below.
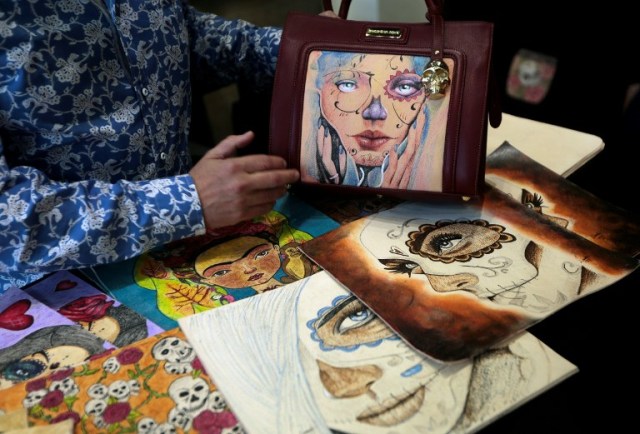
(206, 272)
(218, 268)
(35, 339)
(154, 385)
(86, 305)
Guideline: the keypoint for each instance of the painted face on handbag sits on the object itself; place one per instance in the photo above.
(370, 100)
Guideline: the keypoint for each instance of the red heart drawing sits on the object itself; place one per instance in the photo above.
(63, 285)
(14, 317)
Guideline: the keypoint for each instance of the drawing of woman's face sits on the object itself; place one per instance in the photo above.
(363, 377)
(241, 262)
(106, 328)
(371, 100)
(476, 256)
(45, 361)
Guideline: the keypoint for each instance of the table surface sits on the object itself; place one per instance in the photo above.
(560, 149)
(594, 332)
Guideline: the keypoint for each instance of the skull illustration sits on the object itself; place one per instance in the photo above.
(146, 425)
(217, 403)
(111, 365)
(180, 418)
(33, 398)
(119, 390)
(134, 387)
(190, 394)
(95, 407)
(98, 391)
(172, 349)
(68, 386)
(165, 428)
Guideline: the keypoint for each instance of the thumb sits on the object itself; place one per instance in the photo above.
(228, 146)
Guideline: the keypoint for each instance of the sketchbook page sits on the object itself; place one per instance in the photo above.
(561, 201)
(13, 420)
(154, 384)
(560, 149)
(62, 427)
(315, 359)
(456, 278)
(35, 339)
(209, 271)
(86, 305)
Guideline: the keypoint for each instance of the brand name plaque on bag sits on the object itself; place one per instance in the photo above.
(380, 32)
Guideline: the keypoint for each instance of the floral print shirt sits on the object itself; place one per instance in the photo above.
(95, 105)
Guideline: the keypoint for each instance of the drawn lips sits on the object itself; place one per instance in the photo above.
(256, 277)
(371, 140)
(394, 410)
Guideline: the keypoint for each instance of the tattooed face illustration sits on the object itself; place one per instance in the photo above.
(351, 356)
(472, 255)
(370, 101)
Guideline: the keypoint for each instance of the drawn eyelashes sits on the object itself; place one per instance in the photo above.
(531, 200)
(401, 266)
(445, 242)
(348, 325)
(354, 315)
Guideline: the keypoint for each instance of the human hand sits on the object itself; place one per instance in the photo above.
(398, 172)
(233, 189)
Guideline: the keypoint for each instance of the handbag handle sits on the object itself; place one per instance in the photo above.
(436, 76)
(434, 7)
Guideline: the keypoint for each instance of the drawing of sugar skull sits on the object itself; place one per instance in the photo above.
(95, 408)
(478, 255)
(191, 396)
(351, 356)
(34, 397)
(67, 386)
(368, 119)
(121, 390)
(176, 352)
(146, 425)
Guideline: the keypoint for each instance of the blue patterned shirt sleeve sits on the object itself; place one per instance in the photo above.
(230, 51)
(95, 104)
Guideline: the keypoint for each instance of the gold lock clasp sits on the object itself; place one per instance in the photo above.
(435, 79)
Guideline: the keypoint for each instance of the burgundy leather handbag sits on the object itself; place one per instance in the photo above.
(390, 109)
